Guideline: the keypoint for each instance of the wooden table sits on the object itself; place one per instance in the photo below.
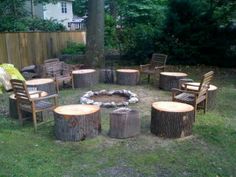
(84, 78)
(45, 84)
(13, 113)
(127, 76)
(212, 91)
(169, 80)
(172, 119)
(77, 122)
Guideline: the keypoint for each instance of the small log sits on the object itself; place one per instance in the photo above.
(84, 78)
(106, 76)
(44, 84)
(212, 92)
(169, 80)
(127, 76)
(77, 122)
(172, 119)
(124, 123)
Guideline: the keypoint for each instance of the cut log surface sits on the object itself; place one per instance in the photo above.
(127, 76)
(106, 76)
(77, 122)
(84, 78)
(169, 80)
(43, 84)
(212, 92)
(172, 119)
(124, 123)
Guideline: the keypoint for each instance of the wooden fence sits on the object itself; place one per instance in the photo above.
(27, 48)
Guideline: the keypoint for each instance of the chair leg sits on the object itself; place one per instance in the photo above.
(35, 121)
(148, 78)
(205, 106)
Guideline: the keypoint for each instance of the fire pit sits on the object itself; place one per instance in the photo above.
(108, 99)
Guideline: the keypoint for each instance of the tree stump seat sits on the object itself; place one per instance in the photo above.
(172, 119)
(77, 122)
(44, 84)
(124, 123)
(127, 76)
(169, 80)
(84, 78)
(212, 92)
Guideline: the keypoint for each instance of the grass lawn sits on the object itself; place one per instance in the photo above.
(210, 151)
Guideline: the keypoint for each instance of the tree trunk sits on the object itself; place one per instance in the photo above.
(172, 119)
(77, 122)
(95, 34)
(84, 78)
(124, 123)
(127, 76)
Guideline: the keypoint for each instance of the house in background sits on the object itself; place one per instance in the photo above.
(60, 11)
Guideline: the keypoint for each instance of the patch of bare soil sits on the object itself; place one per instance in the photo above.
(109, 98)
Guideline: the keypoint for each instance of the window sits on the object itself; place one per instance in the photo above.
(63, 7)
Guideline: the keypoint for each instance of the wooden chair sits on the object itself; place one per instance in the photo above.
(194, 97)
(157, 63)
(60, 71)
(32, 102)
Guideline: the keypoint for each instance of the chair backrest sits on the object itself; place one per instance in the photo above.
(205, 83)
(158, 59)
(20, 90)
(51, 60)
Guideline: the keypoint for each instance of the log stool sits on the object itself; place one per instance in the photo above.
(84, 78)
(45, 84)
(127, 76)
(169, 80)
(106, 76)
(212, 91)
(172, 119)
(77, 122)
(124, 123)
(13, 113)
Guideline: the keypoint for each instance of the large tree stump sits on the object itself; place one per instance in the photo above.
(124, 123)
(13, 112)
(106, 76)
(169, 80)
(77, 122)
(172, 119)
(127, 76)
(44, 84)
(84, 78)
(212, 91)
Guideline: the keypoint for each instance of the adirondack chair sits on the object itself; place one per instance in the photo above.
(194, 97)
(157, 63)
(32, 102)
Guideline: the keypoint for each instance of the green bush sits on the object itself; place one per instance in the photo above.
(11, 24)
(74, 48)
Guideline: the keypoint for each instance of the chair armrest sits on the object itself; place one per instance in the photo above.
(143, 67)
(159, 67)
(39, 92)
(175, 90)
(44, 98)
(183, 82)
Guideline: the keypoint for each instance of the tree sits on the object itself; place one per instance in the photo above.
(95, 33)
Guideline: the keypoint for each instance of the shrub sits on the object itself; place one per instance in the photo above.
(74, 48)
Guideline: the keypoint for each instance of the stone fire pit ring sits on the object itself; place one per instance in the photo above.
(131, 98)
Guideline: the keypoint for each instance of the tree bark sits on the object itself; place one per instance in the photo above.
(95, 34)
(124, 123)
(127, 76)
(77, 122)
(172, 119)
(84, 78)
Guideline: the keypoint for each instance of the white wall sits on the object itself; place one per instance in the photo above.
(54, 11)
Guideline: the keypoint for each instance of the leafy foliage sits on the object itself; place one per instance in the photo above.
(194, 33)
(12, 24)
(74, 48)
